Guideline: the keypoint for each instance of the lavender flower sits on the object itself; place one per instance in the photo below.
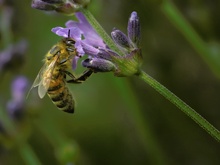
(16, 105)
(60, 6)
(13, 56)
(83, 28)
(77, 30)
(103, 59)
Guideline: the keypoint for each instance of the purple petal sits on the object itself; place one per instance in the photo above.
(90, 50)
(63, 32)
(90, 35)
(75, 32)
(74, 62)
(79, 48)
(71, 23)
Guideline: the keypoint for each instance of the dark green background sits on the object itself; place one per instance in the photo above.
(104, 125)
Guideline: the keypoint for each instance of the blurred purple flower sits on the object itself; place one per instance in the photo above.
(1, 2)
(19, 87)
(13, 56)
(61, 6)
(16, 105)
(41, 5)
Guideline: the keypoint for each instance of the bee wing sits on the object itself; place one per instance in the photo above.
(46, 79)
(40, 79)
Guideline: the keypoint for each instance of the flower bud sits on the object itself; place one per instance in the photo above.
(120, 38)
(103, 53)
(134, 29)
(67, 8)
(40, 5)
(54, 1)
(99, 65)
(61, 6)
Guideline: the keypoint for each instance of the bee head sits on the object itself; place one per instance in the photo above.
(70, 42)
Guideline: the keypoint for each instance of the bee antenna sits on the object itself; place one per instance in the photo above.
(69, 33)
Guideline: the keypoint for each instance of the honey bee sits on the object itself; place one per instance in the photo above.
(51, 79)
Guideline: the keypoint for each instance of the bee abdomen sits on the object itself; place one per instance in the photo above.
(63, 99)
(54, 88)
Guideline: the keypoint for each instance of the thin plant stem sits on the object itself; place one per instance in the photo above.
(51, 132)
(150, 143)
(176, 18)
(209, 128)
(62, 145)
(5, 29)
(101, 32)
(24, 148)
(28, 154)
(156, 155)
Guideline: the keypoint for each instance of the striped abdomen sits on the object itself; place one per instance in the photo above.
(61, 96)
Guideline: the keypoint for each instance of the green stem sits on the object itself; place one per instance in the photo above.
(28, 154)
(144, 131)
(66, 150)
(25, 150)
(209, 128)
(149, 141)
(101, 32)
(5, 27)
(176, 18)
(51, 132)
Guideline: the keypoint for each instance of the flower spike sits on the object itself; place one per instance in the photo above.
(16, 106)
(100, 57)
(134, 29)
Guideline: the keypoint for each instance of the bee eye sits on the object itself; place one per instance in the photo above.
(70, 49)
(70, 42)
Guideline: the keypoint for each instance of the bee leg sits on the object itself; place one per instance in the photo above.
(70, 74)
(86, 74)
(73, 78)
(81, 78)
